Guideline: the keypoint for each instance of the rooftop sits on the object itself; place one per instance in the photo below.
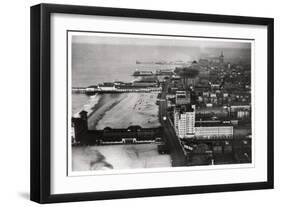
(212, 124)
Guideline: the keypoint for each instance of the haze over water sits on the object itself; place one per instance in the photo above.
(101, 59)
(104, 59)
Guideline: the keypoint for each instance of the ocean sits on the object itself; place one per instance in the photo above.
(92, 65)
(106, 73)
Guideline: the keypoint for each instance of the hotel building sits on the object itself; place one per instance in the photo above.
(184, 121)
(213, 130)
(186, 127)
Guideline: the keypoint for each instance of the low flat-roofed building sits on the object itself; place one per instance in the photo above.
(92, 88)
(213, 129)
(167, 72)
(107, 86)
(239, 106)
(143, 73)
(147, 82)
(144, 84)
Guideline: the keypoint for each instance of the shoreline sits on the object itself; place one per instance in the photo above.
(121, 110)
(101, 107)
(133, 109)
(88, 106)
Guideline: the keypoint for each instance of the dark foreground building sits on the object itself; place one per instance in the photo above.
(130, 135)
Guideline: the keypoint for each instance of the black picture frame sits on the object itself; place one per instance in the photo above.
(41, 96)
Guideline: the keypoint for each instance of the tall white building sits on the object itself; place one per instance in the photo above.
(186, 126)
(184, 122)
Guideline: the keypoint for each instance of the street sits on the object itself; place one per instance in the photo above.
(169, 135)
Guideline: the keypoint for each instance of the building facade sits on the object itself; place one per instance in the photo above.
(213, 131)
(186, 126)
(79, 126)
(184, 122)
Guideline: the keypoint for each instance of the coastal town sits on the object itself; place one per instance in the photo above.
(197, 113)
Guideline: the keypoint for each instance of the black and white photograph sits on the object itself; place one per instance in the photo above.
(138, 101)
(130, 103)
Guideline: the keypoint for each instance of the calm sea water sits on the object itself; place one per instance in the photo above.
(106, 73)
(92, 65)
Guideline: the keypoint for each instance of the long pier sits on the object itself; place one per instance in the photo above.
(86, 90)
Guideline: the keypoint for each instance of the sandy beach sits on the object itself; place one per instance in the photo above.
(105, 103)
(85, 158)
(125, 109)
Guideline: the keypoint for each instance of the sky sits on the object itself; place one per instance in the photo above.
(156, 48)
